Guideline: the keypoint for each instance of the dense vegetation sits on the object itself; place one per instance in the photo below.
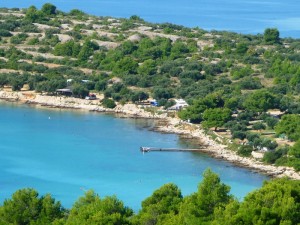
(277, 202)
(230, 80)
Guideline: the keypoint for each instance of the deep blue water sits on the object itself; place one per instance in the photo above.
(67, 152)
(243, 16)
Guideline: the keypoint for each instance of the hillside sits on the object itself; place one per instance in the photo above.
(244, 87)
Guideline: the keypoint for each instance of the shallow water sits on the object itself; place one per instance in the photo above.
(247, 16)
(66, 152)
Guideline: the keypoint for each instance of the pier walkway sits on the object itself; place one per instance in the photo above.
(154, 149)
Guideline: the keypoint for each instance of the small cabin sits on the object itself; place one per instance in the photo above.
(64, 91)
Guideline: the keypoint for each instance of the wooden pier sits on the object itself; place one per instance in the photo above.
(154, 149)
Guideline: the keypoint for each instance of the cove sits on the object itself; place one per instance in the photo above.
(66, 152)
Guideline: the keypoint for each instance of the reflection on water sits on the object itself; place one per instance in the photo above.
(75, 150)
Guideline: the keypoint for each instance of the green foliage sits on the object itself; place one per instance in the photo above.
(260, 101)
(90, 209)
(33, 15)
(250, 83)
(26, 207)
(33, 41)
(271, 36)
(240, 72)
(277, 202)
(272, 156)
(18, 39)
(108, 103)
(163, 203)
(295, 150)
(199, 207)
(216, 117)
(48, 9)
(139, 96)
(126, 65)
(239, 134)
(259, 126)
(164, 93)
(69, 48)
(147, 68)
(290, 126)
(79, 90)
(194, 111)
(77, 13)
(87, 50)
(5, 33)
(245, 150)
(241, 48)
(271, 122)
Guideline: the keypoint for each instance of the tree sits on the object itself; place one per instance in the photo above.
(79, 90)
(77, 13)
(108, 103)
(290, 126)
(91, 209)
(295, 150)
(199, 207)
(259, 126)
(216, 117)
(32, 14)
(260, 101)
(271, 121)
(163, 202)
(69, 48)
(272, 156)
(277, 202)
(194, 112)
(147, 68)
(5, 33)
(239, 134)
(48, 9)
(126, 65)
(138, 96)
(241, 48)
(159, 93)
(87, 50)
(271, 36)
(245, 150)
(26, 207)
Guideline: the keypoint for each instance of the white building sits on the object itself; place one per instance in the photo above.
(179, 104)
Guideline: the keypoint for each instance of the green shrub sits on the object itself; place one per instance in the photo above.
(239, 134)
(5, 33)
(259, 126)
(108, 103)
(245, 150)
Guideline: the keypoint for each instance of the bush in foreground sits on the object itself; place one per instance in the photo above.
(277, 202)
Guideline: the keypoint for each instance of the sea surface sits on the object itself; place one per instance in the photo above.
(65, 153)
(242, 16)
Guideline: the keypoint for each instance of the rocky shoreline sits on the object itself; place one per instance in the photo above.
(169, 125)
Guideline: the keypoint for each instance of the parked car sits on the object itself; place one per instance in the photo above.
(91, 97)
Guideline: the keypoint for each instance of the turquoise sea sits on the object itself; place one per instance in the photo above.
(243, 16)
(65, 153)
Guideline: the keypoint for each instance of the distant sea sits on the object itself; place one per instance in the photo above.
(65, 153)
(242, 16)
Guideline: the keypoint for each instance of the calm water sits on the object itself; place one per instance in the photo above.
(67, 152)
(244, 16)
